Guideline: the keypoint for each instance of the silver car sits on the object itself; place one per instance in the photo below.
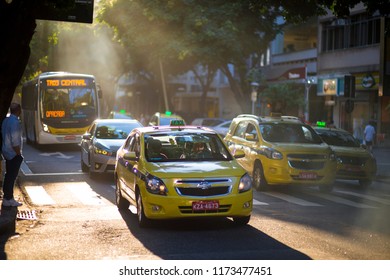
(101, 142)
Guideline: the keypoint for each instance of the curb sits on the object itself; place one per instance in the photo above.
(8, 219)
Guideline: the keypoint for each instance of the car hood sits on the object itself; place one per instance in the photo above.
(301, 148)
(197, 169)
(111, 144)
(353, 151)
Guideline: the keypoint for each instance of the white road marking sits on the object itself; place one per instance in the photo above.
(343, 201)
(256, 202)
(366, 196)
(84, 193)
(38, 195)
(293, 199)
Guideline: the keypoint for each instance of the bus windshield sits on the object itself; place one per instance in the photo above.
(68, 104)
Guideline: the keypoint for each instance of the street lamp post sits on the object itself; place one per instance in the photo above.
(308, 84)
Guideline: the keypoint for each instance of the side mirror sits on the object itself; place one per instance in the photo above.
(239, 154)
(86, 136)
(250, 137)
(130, 156)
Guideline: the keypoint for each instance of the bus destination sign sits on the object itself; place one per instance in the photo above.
(66, 83)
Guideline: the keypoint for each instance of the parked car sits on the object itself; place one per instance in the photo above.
(222, 128)
(180, 171)
(281, 151)
(354, 161)
(101, 142)
(159, 119)
(208, 122)
(119, 115)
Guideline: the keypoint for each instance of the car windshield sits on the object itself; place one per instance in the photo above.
(166, 120)
(338, 138)
(185, 146)
(114, 131)
(289, 133)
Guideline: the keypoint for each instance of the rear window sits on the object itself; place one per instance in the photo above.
(289, 133)
(338, 138)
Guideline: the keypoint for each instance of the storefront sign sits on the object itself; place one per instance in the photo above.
(329, 87)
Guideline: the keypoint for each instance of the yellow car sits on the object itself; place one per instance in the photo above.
(178, 171)
(159, 119)
(281, 151)
(354, 162)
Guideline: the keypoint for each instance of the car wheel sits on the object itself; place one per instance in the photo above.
(121, 202)
(365, 183)
(84, 167)
(241, 221)
(143, 221)
(326, 188)
(259, 182)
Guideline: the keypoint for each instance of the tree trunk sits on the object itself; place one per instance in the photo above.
(17, 25)
(242, 100)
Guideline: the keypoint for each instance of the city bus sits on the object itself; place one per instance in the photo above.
(58, 107)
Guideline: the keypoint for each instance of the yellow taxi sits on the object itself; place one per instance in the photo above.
(354, 161)
(281, 150)
(180, 171)
(160, 119)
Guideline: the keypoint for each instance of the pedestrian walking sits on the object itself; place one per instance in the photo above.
(12, 152)
(369, 135)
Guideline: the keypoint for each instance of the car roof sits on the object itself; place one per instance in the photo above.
(272, 118)
(321, 128)
(113, 121)
(167, 128)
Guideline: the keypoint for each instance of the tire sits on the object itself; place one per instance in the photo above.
(121, 202)
(241, 221)
(259, 182)
(365, 183)
(326, 188)
(84, 167)
(143, 221)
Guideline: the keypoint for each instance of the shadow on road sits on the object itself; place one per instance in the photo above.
(213, 239)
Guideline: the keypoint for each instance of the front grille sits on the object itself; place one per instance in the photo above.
(360, 161)
(307, 161)
(188, 210)
(203, 188)
(307, 165)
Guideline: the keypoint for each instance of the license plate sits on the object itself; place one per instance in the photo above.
(70, 137)
(353, 168)
(308, 175)
(205, 205)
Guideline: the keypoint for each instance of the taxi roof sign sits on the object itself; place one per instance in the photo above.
(177, 122)
(321, 124)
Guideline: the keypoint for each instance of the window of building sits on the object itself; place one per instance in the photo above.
(357, 31)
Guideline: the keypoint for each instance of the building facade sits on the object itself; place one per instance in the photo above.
(350, 70)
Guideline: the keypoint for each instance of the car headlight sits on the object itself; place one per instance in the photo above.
(245, 183)
(155, 186)
(273, 154)
(103, 152)
(45, 128)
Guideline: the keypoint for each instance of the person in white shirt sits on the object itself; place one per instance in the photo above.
(11, 131)
(369, 135)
